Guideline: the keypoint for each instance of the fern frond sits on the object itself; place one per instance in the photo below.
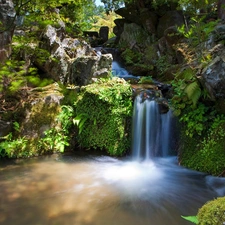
(193, 92)
(186, 74)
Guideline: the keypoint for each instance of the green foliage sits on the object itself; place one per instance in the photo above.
(195, 120)
(131, 57)
(212, 213)
(193, 92)
(187, 91)
(146, 80)
(11, 76)
(57, 138)
(103, 112)
(162, 64)
(206, 153)
(192, 219)
(15, 73)
(79, 120)
(198, 32)
(103, 19)
(14, 148)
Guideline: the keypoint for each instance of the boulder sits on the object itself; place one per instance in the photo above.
(171, 18)
(118, 29)
(213, 77)
(5, 128)
(131, 14)
(104, 33)
(41, 111)
(149, 20)
(70, 60)
(83, 69)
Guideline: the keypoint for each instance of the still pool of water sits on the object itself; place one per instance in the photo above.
(100, 190)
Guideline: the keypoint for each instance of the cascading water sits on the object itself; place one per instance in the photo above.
(151, 130)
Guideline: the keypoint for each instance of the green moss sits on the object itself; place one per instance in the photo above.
(106, 111)
(212, 213)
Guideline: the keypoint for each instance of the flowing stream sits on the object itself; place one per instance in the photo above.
(99, 190)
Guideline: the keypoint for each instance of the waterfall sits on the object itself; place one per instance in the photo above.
(121, 72)
(151, 130)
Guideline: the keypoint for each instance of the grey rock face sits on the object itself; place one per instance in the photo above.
(71, 60)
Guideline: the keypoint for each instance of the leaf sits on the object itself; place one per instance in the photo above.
(80, 120)
(192, 219)
(193, 91)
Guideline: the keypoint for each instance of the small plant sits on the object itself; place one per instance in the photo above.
(162, 64)
(79, 120)
(54, 140)
(198, 32)
(131, 57)
(195, 120)
(57, 138)
(14, 148)
(146, 80)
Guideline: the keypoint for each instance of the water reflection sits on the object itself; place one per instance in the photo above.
(101, 190)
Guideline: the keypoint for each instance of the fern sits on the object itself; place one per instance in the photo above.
(80, 120)
(193, 92)
(187, 74)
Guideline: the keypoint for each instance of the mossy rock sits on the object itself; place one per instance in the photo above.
(212, 213)
(104, 111)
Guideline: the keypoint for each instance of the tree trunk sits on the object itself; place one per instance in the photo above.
(7, 17)
(221, 9)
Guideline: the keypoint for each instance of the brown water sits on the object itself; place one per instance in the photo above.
(93, 190)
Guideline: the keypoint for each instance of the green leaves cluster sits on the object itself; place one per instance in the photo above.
(103, 113)
(195, 120)
(187, 91)
(10, 147)
(198, 31)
